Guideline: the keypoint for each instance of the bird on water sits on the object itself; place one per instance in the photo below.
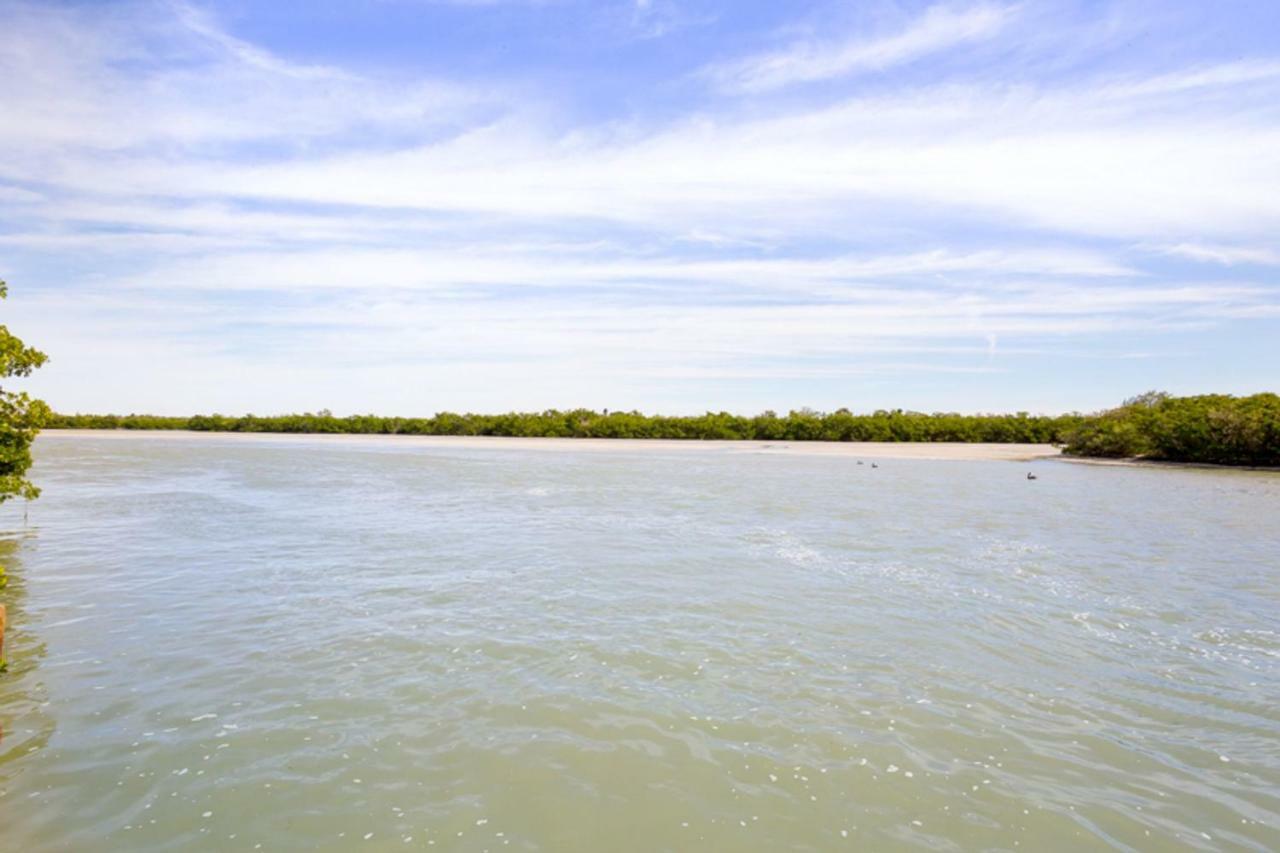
(1030, 476)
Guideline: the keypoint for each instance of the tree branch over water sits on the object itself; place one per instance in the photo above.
(20, 416)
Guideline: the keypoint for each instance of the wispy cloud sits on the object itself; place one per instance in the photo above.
(939, 28)
(1222, 75)
(184, 201)
(650, 19)
(103, 79)
(1226, 255)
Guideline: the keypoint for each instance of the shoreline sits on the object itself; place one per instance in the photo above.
(1139, 462)
(935, 451)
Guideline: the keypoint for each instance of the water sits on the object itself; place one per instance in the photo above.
(236, 644)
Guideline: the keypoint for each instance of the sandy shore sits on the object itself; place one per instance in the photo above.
(865, 450)
(1162, 463)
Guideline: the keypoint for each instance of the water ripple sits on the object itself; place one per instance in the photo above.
(222, 644)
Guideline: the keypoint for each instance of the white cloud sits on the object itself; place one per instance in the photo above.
(1223, 75)
(416, 353)
(17, 195)
(939, 28)
(245, 216)
(1225, 255)
(117, 78)
(320, 266)
(649, 19)
(1119, 160)
(1058, 159)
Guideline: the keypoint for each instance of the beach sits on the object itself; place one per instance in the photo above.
(955, 451)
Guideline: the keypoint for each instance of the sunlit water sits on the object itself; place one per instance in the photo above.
(238, 644)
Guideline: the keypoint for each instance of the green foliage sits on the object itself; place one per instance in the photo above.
(1213, 428)
(802, 425)
(20, 416)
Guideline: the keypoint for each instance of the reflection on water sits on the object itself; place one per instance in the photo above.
(24, 728)
(227, 643)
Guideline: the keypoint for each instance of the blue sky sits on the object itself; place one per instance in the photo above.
(405, 206)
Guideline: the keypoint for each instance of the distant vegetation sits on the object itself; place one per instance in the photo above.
(803, 425)
(1214, 428)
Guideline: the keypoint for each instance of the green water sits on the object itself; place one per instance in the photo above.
(234, 643)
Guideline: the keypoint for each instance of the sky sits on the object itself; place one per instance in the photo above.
(410, 206)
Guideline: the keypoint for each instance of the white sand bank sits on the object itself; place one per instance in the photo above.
(866, 450)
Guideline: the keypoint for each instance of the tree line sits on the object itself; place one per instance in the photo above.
(800, 425)
(1217, 429)
(1212, 428)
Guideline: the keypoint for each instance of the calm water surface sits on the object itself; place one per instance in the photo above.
(238, 644)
